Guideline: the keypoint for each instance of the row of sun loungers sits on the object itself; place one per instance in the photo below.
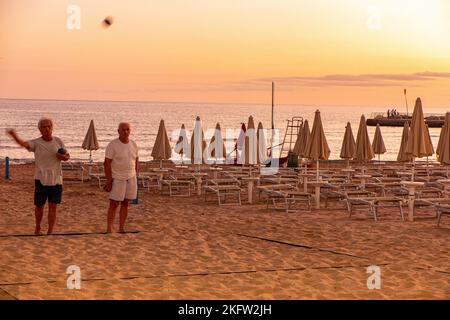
(288, 191)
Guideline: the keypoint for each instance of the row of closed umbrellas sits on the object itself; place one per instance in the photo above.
(415, 142)
(251, 143)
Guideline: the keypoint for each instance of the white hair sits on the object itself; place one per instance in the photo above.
(43, 120)
(123, 124)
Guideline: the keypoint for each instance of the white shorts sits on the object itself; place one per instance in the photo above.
(123, 189)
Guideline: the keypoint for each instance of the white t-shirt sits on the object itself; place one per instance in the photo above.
(47, 165)
(123, 156)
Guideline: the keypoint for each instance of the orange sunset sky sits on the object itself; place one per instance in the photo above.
(323, 52)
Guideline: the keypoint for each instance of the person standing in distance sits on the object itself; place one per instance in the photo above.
(49, 151)
(121, 166)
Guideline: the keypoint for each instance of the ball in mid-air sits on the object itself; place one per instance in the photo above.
(108, 21)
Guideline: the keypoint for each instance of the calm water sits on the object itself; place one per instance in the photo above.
(72, 119)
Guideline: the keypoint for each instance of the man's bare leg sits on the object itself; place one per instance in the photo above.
(123, 215)
(51, 216)
(111, 215)
(38, 214)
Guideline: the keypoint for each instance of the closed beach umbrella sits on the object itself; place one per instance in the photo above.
(443, 148)
(418, 145)
(378, 143)
(317, 147)
(444, 130)
(348, 148)
(418, 141)
(250, 145)
(182, 146)
(298, 142)
(364, 150)
(305, 137)
(161, 149)
(198, 143)
(402, 155)
(240, 142)
(90, 140)
(262, 147)
(216, 145)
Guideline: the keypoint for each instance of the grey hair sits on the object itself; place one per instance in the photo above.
(43, 120)
(124, 123)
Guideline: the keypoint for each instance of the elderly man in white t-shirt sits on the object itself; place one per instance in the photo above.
(49, 151)
(121, 165)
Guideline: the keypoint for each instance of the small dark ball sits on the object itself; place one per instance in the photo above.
(62, 151)
(108, 21)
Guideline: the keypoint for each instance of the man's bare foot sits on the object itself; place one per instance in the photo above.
(49, 232)
(37, 232)
(121, 231)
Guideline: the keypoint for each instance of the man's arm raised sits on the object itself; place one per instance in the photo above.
(13, 134)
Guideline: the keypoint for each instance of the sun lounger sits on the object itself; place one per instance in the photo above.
(223, 191)
(177, 186)
(287, 199)
(265, 189)
(332, 192)
(74, 172)
(374, 203)
(442, 206)
(148, 180)
(442, 209)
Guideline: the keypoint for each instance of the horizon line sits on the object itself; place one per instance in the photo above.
(191, 102)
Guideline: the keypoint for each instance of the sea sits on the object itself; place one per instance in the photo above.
(71, 121)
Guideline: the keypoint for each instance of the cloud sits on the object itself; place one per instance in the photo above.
(293, 83)
(434, 74)
(361, 80)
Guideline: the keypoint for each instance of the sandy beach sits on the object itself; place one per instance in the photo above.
(188, 249)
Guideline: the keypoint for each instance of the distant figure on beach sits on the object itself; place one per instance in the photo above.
(49, 151)
(121, 166)
(389, 113)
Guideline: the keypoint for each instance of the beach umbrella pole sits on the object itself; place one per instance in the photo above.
(413, 169)
(317, 174)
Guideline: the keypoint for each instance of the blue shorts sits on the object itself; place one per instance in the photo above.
(42, 193)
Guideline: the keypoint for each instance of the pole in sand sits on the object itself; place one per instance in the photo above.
(406, 100)
(7, 168)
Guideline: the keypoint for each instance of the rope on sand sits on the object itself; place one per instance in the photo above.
(62, 234)
(300, 246)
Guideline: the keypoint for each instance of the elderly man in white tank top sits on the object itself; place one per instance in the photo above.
(121, 165)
